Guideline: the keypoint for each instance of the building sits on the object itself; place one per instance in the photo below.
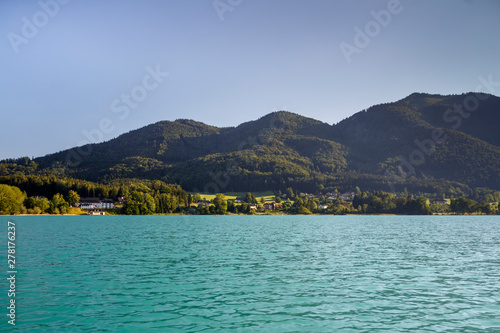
(89, 203)
(322, 207)
(271, 206)
(96, 212)
(95, 203)
(203, 204)
(439, 201)
(107, 204)
(348, 195)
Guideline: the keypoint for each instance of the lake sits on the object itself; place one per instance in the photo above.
(254, 274)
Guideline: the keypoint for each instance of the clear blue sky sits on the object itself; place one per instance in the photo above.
(67, 68)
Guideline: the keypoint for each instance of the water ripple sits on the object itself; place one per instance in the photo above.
(259, 274)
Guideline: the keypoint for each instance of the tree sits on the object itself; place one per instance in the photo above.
(376, 205)
(289, 192)
(231, 207)
(166, 203)
(244, 208)
(196, 198)
(303, 210)
(43, 204)
(438, 208)
(357, 201)
(286, 205)
(58, 205)
(30, 203)
(462, 205)
(357, 190)
(11, 200)
(139, 203)
(73, 198)
(250, 198)
(298, 202)
(423, 206)
(220, 204)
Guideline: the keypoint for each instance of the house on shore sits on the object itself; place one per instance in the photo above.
(96, 212)
(271, 206)
(107, 204)
(95, 203)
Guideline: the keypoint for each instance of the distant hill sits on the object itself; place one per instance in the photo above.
(386, 147)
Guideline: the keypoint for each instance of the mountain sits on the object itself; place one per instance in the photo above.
(429, 143)
(400, 135)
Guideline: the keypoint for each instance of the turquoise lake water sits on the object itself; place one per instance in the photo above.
(254, 274)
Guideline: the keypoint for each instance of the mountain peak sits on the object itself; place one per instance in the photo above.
(420, 100)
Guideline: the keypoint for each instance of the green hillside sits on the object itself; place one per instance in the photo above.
(427, 143)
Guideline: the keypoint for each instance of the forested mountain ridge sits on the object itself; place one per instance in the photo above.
(447, 142)
(385, 135)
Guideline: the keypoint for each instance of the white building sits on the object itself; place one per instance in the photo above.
(95, 203)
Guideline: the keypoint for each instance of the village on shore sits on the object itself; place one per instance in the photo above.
(158, 198)
(350, 202)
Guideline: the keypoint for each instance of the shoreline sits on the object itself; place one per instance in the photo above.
(438, 214)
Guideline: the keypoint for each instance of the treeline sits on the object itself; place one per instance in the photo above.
(39, 194)
(380, 202)
(50, 185)
(377, 202)
(272, 166)
(160, 199)
(265, 167)
(35, 191)
(14, 201)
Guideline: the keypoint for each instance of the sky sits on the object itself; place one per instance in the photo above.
(73, 72)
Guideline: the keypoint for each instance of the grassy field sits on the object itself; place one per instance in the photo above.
(267, 195)
(76, 211)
